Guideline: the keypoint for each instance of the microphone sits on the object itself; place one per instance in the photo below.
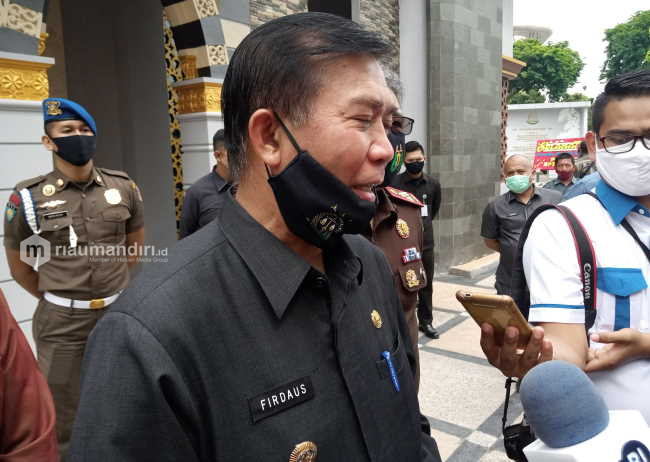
(571, 420)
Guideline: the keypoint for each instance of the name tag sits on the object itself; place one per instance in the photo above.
(280, 399)
(423, 211)
(513, 214)
(51, 216)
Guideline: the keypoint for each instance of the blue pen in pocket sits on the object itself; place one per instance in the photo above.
(391, 368)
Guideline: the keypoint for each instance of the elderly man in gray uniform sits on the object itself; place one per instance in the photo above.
(275, 332)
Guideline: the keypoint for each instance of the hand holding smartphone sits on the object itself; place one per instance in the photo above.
(500, 311)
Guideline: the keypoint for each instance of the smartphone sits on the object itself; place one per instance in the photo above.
(500, 311)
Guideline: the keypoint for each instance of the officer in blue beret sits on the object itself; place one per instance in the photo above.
(81, 210)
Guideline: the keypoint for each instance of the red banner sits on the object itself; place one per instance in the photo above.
(546, 151)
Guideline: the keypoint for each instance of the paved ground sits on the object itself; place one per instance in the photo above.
(460, 393)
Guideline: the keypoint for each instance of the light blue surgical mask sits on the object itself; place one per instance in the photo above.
(518, 183)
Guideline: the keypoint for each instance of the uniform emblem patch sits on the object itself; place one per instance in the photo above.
(411, 279)
(304, 452)
(410, 254)
(375, 317)
(402, 228)
(327, 223)
(48, 190)
(280, 399)
(112, 196)
(10, 212)
(54, 108)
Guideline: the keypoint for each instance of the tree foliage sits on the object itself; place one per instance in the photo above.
(550, 69)
(628, 46)
(575, 97)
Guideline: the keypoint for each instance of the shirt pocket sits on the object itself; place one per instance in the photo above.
(413, 276)
(397, 357)
(621, 283)
(115, 218)
(55, 229)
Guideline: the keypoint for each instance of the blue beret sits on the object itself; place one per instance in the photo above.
(63, 109)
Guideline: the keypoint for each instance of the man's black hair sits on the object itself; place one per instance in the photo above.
(218, 140)
(628, 85)
(582, 148)
(564, 155)
(277, 66)
(413, 146)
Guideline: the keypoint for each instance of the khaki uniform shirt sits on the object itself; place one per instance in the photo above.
(397, 230)
(101, 212)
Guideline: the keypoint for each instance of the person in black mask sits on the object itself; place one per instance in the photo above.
(427, 189)
(77, 208)
(274, 332)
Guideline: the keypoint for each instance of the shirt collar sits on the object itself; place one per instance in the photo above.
(61, 181)
(617, 204)
(510, 196)
(278, 269)
(219, 182)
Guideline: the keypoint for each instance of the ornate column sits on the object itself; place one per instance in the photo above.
(199, 113)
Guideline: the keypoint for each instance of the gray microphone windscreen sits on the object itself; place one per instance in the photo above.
(562, 404)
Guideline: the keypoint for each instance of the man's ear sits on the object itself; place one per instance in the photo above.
(590, 141)
(47, 142)
(264, 137)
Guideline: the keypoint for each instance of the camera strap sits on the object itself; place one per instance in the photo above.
(504, 420)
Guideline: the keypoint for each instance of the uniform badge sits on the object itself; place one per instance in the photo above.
(59, 182)
(411, 254)
(54, 108)
(48, 190)
(375, 317)
(10, 212)
(402, 228)
(411, 279)
(137, 190)
(51, 204)
(304, 452)
(112, 196)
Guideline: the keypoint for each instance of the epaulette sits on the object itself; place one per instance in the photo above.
(403, 196)
(29, 183)
(114, 173)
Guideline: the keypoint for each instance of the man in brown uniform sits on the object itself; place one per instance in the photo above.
(92, 220)
(396, 229)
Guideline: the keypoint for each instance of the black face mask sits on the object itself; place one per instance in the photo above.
(392, 169)
(315, 205)
(76, 149)
(414, 167)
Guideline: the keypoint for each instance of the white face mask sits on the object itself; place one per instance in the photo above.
(628, 172)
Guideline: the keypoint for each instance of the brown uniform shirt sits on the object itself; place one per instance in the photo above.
(102, 212)
(397, 230)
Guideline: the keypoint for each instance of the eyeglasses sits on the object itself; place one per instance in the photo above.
(619, 144)
(402, 125)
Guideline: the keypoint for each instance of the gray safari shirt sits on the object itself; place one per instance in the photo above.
(503, 219)
(237, 349)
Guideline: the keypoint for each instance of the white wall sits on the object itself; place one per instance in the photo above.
(22, 156)
(413, 65)
(506, 36)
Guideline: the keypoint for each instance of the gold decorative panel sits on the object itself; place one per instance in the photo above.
(188, 66)
(199, 97)
(23, 80)
(41, 42)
